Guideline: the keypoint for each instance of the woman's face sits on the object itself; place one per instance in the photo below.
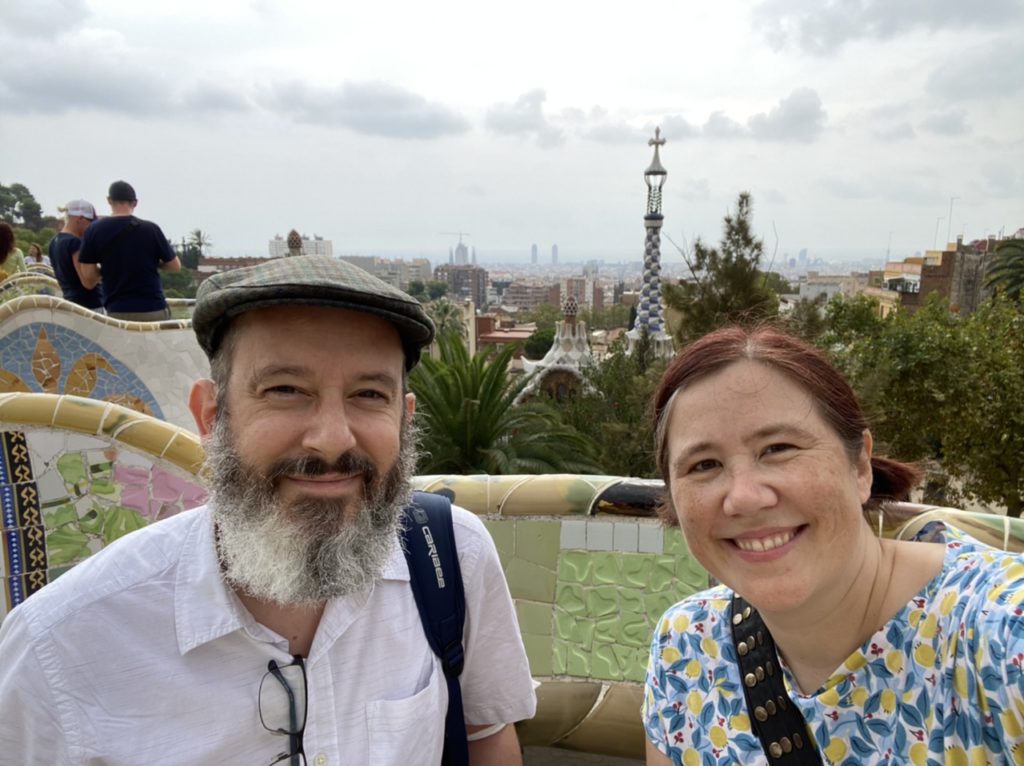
(767, 496)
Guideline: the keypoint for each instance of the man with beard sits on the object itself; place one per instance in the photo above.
(284, 606)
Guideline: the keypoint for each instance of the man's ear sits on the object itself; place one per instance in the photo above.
(410, 406)
(203, 404)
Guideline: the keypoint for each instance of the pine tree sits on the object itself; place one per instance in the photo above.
(726, 285)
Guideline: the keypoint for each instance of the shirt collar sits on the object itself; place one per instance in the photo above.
(205, 608)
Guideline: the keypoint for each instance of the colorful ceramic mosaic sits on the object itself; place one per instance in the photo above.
(54, 359)
(51, 345)
(75, 475)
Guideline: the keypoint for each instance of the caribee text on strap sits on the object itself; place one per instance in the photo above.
(777, 722)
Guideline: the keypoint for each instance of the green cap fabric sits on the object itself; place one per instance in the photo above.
(307, 280)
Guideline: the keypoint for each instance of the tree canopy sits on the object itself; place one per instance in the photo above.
(19, 208)
(539, 343)
(943, 389)
(725, 285)
(612, 409)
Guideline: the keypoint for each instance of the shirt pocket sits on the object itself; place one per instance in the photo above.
(409, 730)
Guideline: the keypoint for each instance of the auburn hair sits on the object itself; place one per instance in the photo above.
(803, 364)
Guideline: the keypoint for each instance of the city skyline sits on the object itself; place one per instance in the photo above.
(860, 128)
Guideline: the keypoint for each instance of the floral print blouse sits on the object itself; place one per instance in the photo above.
(940, 683)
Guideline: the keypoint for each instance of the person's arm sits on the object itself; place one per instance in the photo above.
(492, 692)
(167, 260)
(88, 273)
(172, 265)
(499, 749)
(16, 262)
(32, 729)
(655, 757)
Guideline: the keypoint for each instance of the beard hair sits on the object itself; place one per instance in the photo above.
(313, 549)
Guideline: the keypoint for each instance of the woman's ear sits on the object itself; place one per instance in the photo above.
(865, 476)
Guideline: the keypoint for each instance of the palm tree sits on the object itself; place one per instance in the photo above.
(1006, 269)
(447, 317)
(200, 240)
(471, 424)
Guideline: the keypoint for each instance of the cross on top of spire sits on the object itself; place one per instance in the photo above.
(657, 140)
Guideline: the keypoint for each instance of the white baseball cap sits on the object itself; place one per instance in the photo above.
(81, 208)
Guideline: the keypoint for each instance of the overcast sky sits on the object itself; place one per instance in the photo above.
(382, 126)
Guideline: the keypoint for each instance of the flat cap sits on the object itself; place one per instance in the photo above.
(307, 280)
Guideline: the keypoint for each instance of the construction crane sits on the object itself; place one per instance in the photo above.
(460, 234)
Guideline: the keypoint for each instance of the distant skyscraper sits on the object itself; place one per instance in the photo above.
(461, 254)
(533, 254)
(554, 254)
(474, 256)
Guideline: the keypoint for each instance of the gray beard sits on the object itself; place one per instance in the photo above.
(312, 550)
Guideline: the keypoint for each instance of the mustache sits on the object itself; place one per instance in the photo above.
(310, 465)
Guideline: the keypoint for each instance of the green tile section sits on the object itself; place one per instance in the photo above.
(534, 618)
(674, 542)
(589, 614)
(504, 536)
(606, 605)
(537, 542)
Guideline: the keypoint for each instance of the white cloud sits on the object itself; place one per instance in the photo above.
(991, 71)
(902, 131)
(677, 127)
(524, 117)
(370, 108)
(45, 19)
(951, 123)
(823, 26)
(720, 125)
(798, 117)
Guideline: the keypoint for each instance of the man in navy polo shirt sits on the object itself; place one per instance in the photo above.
(64, 252)
(128, 253)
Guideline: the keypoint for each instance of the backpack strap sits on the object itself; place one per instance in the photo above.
(429, 543)
(774, 717)
(132, 225)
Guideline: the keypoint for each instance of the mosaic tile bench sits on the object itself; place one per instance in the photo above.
(50, 345)
(589, 566)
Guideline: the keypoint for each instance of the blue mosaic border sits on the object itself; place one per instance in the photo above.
(18, 349)
(20, 515)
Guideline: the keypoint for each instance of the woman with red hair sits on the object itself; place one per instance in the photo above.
(824, 643)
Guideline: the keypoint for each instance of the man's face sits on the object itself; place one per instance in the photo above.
(81, 223)
(309, 469)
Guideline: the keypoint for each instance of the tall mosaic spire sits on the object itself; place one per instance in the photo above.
(650, 313)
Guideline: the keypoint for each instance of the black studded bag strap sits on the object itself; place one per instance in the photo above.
(777, 722)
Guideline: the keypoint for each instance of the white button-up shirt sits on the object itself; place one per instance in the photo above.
(143, 655)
